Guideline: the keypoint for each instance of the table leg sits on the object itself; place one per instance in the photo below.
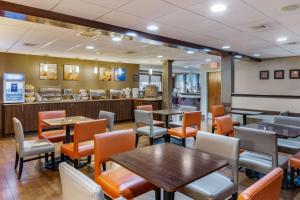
(68, 133)
(167, 121)
(244, 119)
(169, 195)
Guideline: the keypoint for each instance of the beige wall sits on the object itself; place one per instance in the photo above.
(29, 65)
(247, 82)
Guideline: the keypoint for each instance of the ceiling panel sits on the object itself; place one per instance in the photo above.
(47, 5)
(184, 3)
(80, 8)
(108, 3)
(119, 18)
(148, 9)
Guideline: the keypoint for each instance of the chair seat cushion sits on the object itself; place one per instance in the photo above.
(295, 160)
(288, 146)
(212, 186)
(35, 147)
(157, 131)
(178, 132)
(84, 149)
(122, 182)
(260, 162)
(54, 135)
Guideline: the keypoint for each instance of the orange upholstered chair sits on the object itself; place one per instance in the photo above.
(118, 181)
(83, 144)
(218, 111)
(224, 125)
(52, 135)
(267, 188)
(191, 123)
(295, 165)
(150, 108)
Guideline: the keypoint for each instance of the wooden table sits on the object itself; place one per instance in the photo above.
(282, 131)
(244, 113)
(68, 122)
(167, 113)
(169, 166)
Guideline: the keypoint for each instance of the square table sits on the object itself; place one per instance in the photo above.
(244, 113)
(169, 166)
(68, 122)
(281, 130)
(167, 113)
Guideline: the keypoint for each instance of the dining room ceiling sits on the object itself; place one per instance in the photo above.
(17, 36)
(251, 27)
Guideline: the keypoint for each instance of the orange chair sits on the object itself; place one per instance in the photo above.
(83, 140)
(218, 111)
(224, 125)
(118, 181)
(189, 120)
(267, 188)
(150, 108)
(52, 135)
(295, 166)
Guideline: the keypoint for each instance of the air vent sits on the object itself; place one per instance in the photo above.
(292, 43)
(291, 7)
(28, 44)
(131, 52)
(89, 33)
(262, 27)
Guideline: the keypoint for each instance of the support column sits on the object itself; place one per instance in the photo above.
(227, 79)
(167, 84)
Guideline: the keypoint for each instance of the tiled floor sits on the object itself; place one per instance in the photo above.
(39, 183)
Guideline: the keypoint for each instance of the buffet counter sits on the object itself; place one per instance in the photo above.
(27, 113)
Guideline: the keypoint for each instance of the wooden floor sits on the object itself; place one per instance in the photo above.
(40, 183)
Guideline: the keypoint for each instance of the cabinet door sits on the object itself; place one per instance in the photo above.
(9, 112)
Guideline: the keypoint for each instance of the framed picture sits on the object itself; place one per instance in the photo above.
(278, 74)
(71, 72)
(105, 74)
(120, 74)
(263, 75)
(48, 71)
(295, 74)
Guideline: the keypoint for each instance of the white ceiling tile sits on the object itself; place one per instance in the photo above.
(148, 9)
(119, 18)
(46, 5)
(81, 9)
(108, 3)
(184, 3)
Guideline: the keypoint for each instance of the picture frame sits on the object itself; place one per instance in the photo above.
(120, 74)
(264, 75)
(48, 71)
(278, 74)
(294, 73)
(71, 72)
(105, 73)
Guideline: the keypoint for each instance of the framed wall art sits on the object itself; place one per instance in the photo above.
(120, 74)
(71, 72)
(295, 74)
(264, 75)
(105, 74)
(48, 71)
(278, 74)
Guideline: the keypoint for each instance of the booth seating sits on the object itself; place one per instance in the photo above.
(148, 129)
(216, 185)
(267, 188)
(260, 152)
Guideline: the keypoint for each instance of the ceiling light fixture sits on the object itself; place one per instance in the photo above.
(218, 7)
(133, 34)
(159, 56)
(190, 52)
(208, 59)
(152, 28)
(206, 50)
(186, 66)
(238, 56)
(226, 47)
(90, 47)
(95, 70)
(282, 39)
(116, 39)
(256, 55)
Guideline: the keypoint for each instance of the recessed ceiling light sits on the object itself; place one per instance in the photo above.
(90, 47)
(206, 50)
(116, 39)
(152, 28)
(186, 66)
(133, 34)
(217, 8)
(238, 56)
(256, 55)
(226, 47)
(159, 56)
(208, 59)
(190, 52)
(281, 39)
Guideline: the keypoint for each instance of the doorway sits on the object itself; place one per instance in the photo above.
(213, 89)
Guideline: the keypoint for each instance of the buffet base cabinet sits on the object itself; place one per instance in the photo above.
(27, 113)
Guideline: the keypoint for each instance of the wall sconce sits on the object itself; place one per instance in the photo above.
(95, 70)
(77, 69)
